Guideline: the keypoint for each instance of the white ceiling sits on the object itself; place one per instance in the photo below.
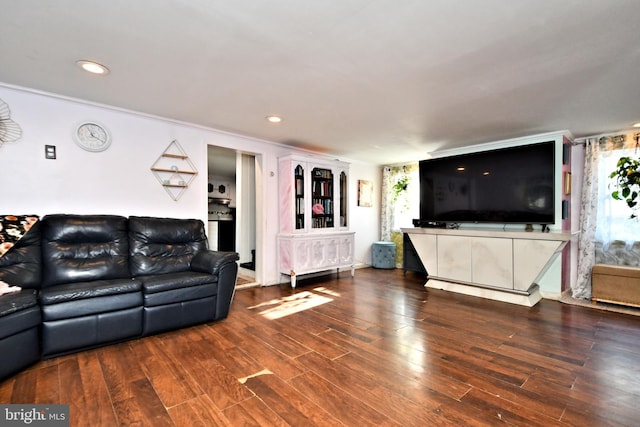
(382, 81)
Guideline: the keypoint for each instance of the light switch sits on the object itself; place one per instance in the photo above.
(50, 151)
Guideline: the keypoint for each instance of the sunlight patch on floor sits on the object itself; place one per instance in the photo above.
(296, 303)
(327, 291)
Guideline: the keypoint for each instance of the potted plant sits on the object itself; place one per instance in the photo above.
(627, 180)
(400, 186)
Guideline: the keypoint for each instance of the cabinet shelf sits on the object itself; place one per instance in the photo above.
(177, 171)
(175, 156)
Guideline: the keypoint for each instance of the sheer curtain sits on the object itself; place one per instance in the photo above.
(588, 218)
(607, 234)
(386, 205)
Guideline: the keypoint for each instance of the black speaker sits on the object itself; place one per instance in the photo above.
(565, 209)
(566, 154)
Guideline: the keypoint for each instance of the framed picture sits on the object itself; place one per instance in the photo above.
(365, 193)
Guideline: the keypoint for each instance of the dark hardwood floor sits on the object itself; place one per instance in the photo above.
(378, 349)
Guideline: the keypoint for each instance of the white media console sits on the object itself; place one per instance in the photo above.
(501, 265)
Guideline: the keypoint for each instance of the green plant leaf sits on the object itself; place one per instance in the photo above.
(626, 178)
(625, 192)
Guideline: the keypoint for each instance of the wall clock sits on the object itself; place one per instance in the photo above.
(92, 137)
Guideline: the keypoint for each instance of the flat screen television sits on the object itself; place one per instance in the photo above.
(512, 185)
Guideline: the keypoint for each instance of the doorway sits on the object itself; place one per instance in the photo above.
(232, 208)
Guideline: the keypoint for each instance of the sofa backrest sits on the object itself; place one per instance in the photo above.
(77, 248)
(20, 266)
(164, 245)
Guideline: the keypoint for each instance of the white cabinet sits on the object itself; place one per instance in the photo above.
(481, 260)
(314, 233)
(303, 254)
(502, 261)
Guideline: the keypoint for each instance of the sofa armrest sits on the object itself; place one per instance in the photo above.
(224, 265)
(227, 277)
(212, 261)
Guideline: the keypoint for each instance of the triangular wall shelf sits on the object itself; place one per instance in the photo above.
(174, 170)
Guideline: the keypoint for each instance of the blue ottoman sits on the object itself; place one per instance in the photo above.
(383, 255)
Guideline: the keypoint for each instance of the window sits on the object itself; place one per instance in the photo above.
(406, 206)
(617, 236)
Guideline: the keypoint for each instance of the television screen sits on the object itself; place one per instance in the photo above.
(509, 185)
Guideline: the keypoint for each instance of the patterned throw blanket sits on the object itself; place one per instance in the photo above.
(12, 228)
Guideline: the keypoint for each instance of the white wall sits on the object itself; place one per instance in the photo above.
(119, 180)
(364, 221)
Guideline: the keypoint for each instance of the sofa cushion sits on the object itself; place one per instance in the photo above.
(19, 321)
(18, 312)
(89, 298)
(10, 303)
(173, 288)
(78, 248)
(85, 290)
(166, 282)
(164, 245)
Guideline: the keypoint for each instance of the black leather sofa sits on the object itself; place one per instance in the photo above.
(91, 280)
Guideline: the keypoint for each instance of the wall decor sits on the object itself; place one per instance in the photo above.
(10, 131)
(174, 170)
(365, 193)
(92, 136)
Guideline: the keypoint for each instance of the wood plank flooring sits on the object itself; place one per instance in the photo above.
(375, 350)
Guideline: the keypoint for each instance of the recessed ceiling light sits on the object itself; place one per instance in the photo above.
(93, 67)
(636, 125)
(274, 119)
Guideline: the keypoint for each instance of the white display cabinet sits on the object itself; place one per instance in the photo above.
(314, 224)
